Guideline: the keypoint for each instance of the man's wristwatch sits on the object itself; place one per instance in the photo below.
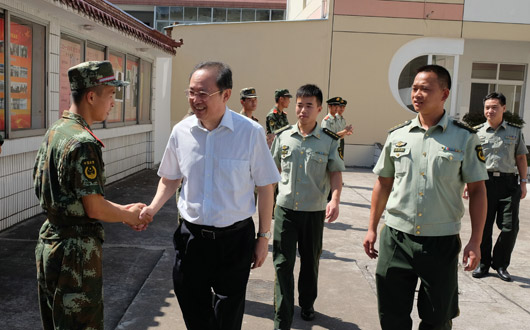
(267, 235)
(523, 180)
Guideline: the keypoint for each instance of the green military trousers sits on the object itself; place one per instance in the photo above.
(291, 227)
(404, 258)
(69, 274)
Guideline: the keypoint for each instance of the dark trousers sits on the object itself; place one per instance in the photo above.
(404, 258)
(291, 227)
(504, 196)
(211, 273)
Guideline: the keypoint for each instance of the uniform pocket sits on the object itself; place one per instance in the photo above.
(402, 160)
(286, 165)
(448, 163)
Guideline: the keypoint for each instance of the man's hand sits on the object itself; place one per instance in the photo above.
(270, 139)
(471, 256)
(369, 244)
(332, 211)
(465, 194)
(260, 252)
(523, 190)
(134, 220)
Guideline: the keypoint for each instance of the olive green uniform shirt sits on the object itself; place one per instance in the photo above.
(341, 122)
(501, 146)
(69, 165)
(330, 122)
(430, 168)
(305, 163)
(276, 120)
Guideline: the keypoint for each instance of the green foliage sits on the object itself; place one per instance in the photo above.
(474, 119)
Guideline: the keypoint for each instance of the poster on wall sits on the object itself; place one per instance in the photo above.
(20, 51)
(116, 112)
(70, 56)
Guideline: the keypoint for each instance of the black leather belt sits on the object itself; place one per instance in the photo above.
(499, 174)
(210, 232)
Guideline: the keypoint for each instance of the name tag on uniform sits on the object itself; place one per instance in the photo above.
(399, 149)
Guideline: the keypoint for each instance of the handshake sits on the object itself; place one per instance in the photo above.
(138, 216)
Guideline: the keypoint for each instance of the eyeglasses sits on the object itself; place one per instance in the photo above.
(201, 95)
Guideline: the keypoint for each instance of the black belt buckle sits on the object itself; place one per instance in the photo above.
(208, 234)
(497, 174)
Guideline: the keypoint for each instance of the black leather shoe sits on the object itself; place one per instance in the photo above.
(308, 314)
(480, 272)
(504, 275)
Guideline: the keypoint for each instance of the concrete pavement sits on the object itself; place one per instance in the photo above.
(138, 285)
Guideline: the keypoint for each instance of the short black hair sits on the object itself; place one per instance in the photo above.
(444, 78)
(224, 73)
(495, 95)
(78, 94)
(310, 90)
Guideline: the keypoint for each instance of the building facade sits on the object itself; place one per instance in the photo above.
(40, 40)
(367, 51)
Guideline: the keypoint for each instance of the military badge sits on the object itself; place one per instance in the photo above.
(271, 122)
(480, 154)
(401, 144)
(399, 149)
(89, 169)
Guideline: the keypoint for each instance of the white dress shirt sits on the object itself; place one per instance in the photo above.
(219, 168)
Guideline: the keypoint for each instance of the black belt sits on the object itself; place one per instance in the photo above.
(498, 174)
(210, 232)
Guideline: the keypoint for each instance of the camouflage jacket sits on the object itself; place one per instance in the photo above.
(276, 120)
(68, 166)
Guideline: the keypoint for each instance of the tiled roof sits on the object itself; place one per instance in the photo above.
(267, 4)
(111, 16)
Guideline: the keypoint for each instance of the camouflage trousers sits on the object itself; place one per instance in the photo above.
(69, 274)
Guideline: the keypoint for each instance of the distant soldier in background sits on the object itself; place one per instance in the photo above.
(249, 101)
(277, 118)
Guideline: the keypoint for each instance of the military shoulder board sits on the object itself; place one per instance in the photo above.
(464, 126)
(515, 125)
(278, 131)
(399, 126)
(330, 133)
(478, 127)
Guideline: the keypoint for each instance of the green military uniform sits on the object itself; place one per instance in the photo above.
(332, 122)
(276, 120)
(341, 125)
(501, 146)
(68, 166)
(248, 93)
(423, 214)
(305, 163)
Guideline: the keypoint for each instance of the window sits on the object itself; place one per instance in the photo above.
(25, 51)
(248, 15)
(131, 91)
(263, 15)
(145, 92)
(508, 79)
(219, 15)
(71, 54)
(117, 61)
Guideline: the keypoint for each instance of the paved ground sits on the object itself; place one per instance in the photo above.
(138, 287)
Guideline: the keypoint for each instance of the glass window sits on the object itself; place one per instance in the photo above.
(176, 14)
(406, 78)
(484, 71)
(145, 92)
(205, 14)
(248, 15)
(117, 61)
(233, 15)
(263, 15)
(511, 72)
(131, 91)
(71, 54)
(161, 25)
(277, 15)
(27, 68)
(95, 52)
(162, 13)
(219, 14)
(478, 91)
(190, 14)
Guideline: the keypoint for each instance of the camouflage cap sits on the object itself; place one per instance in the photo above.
(343, 102)
(334, 100)
(248, 93)
(282, 92)
(93, 73)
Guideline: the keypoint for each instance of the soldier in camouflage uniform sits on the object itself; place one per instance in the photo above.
(277, 118)
(69, 182)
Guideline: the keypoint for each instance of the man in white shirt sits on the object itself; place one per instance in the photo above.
(219, 156)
